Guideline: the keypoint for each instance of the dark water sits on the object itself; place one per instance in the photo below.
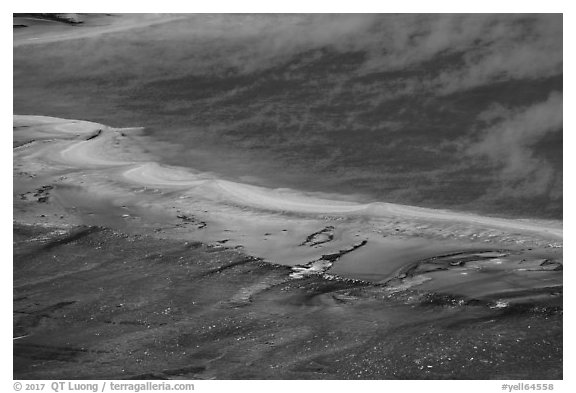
(458, 112)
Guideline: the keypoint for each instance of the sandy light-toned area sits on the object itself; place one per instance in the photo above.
(101, 176)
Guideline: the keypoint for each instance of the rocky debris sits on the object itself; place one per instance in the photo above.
(322, 236)
(186, 219)
(191, 220)
(42, 194)
(320, 266)
(43, 190)
(58, 237)
(335, 256)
